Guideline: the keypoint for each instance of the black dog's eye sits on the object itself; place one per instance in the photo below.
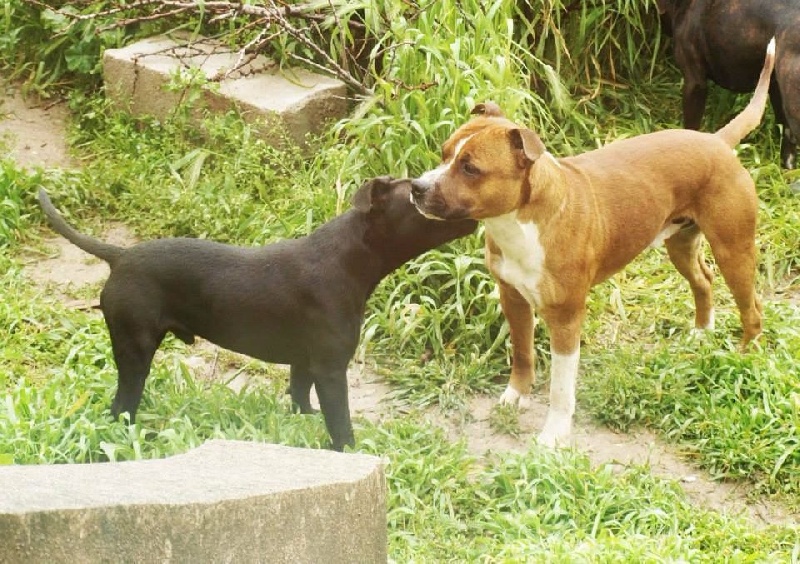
(470, 169)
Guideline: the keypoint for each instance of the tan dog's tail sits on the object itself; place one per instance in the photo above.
(751, 116)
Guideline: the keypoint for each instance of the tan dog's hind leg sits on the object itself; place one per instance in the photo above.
(519, 314)
(730, 231)
(685, 252)
(565, 324)
(736, 262)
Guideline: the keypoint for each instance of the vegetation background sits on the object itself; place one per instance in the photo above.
(582, 73)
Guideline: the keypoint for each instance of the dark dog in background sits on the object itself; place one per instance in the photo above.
(299, 302)
(725, 42)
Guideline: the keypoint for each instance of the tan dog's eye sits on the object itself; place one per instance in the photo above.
(469, 169)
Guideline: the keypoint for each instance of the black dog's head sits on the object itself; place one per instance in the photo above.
(395, 225)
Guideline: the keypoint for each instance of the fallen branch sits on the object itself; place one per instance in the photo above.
(273, 19)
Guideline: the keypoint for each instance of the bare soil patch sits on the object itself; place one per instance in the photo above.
(36, 135)
(33, 130)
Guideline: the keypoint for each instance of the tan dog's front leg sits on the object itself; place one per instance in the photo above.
(519, 314)
(564, 323)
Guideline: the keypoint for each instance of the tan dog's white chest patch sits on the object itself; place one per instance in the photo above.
(521, 263)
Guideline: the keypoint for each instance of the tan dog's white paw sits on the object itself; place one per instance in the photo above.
(701, 331)
(512, 397)
(557, 430)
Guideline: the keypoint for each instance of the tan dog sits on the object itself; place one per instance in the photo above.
(557, 227)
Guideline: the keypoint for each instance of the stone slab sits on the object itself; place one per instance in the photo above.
(296, 99)
(226, 501)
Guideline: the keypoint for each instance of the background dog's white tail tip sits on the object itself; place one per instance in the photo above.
(771, 46)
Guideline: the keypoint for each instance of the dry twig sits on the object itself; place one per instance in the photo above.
(273, 18)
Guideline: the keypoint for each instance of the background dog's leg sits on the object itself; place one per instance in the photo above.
(694, 102)
(789, 151)
(519, 314)
(788, 142)
(331, 383)
(685, 252)
(300, 382)
(564, 323)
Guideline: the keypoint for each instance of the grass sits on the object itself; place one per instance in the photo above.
(434, 327)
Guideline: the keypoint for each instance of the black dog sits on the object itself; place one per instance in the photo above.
(725, 42)
(299, 302)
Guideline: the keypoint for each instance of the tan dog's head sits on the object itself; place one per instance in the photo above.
(484, 169)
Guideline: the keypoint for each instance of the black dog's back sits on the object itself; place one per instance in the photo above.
(193, 287)
(248, 300)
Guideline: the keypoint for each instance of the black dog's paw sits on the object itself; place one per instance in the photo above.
(305, 409)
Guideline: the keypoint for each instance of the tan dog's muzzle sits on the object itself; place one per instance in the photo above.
(427, 196)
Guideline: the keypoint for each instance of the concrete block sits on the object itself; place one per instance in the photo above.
(298, 100)
(226, 501)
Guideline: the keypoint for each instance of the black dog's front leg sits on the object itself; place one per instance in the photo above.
(333, 400)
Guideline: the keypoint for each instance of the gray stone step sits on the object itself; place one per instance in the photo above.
(300, 101)
(226, 501)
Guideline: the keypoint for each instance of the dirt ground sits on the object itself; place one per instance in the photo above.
(35, 135)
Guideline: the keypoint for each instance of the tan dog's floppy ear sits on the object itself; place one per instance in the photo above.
(370, 192)
(488, 109)
(528, 142)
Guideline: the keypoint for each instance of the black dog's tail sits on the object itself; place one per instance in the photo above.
(750, 117)
(105, 251)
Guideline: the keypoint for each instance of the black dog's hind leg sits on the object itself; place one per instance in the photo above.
(133, 353)
(300, 382)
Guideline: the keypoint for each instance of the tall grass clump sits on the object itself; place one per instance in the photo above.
(714, 399)
(432, 65)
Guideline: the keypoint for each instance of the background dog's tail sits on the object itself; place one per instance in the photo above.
(751, 116)
(105, 251)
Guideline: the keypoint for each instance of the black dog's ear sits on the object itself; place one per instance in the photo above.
(488, 109)
(371, 192)
(528, 142)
